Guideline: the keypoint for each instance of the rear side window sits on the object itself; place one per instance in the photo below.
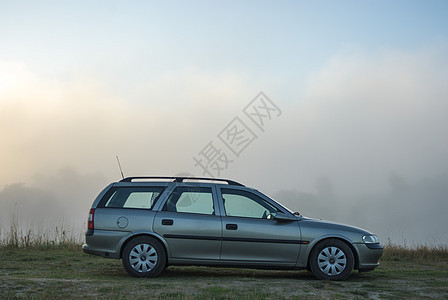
(198, 200)
(134, 197)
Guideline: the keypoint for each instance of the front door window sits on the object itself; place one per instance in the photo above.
(239, 203)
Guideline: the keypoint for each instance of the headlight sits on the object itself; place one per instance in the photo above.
(370, 239)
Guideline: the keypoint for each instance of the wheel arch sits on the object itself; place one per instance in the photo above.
(342, 239)
(145, 234)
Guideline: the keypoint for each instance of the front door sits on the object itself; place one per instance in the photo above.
(252, 234)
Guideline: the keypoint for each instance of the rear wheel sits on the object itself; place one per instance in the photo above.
(144, 257)
(331, 259)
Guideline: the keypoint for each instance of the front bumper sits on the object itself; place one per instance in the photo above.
(368, 256)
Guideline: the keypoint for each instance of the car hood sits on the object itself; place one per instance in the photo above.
(330, 225)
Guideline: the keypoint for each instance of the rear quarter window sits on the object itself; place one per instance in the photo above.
(133, 197)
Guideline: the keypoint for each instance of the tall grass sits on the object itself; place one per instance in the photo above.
(17, 236)
(436, 253)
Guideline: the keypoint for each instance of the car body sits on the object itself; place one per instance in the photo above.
(153, 222)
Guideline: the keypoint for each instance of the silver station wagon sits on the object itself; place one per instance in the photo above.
(153, 222)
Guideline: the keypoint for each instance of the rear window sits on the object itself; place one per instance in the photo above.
(134, 197)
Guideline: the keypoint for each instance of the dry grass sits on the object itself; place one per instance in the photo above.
(17, 237)
(419, 253)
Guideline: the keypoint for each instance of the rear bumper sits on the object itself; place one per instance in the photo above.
(103, 253)
(86, 249)
(368, 256)
(105, 243)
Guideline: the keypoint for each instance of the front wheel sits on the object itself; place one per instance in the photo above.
(331, 259)
(144, 257)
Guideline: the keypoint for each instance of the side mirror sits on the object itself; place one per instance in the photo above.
(284, 217)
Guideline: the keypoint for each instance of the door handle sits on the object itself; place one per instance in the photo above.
(231, 226)
(167, 222)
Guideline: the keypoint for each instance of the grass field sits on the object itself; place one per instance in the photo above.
(61, 271)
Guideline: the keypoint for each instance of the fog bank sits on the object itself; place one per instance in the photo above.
(362, 141)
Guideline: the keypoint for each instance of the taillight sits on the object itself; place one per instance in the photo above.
(90, 219)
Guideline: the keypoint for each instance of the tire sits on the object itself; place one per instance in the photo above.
(331, 259)
(144, 257)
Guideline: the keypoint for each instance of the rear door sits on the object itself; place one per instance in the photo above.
(189, 223)
(252, 234)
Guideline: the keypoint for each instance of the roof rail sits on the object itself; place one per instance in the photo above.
(181, 179)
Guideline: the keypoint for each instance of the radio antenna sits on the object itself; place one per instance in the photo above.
(119, 165)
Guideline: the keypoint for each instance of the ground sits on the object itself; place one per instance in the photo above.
(64, 271)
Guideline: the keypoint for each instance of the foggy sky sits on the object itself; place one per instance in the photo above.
(361, 138)
(333, 153)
